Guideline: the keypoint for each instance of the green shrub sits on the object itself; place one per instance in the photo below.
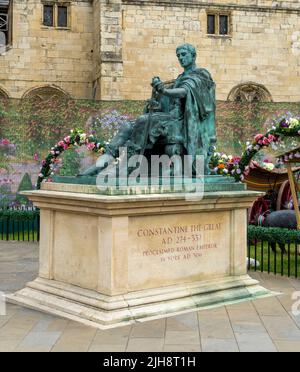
(70, 163)
(25, 185)
(273, 235)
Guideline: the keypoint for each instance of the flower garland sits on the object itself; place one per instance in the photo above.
(76, 138)
(228, 165)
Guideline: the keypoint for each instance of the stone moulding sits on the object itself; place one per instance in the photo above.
(294, 8)
(108, 261)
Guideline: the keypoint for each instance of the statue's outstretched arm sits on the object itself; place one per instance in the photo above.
(176, 92)
(159, 86)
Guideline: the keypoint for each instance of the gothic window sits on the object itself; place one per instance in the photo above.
(250, 92)
(46, 93)
(5, 23)
(55, 14)
(3, 95)
(218, 24)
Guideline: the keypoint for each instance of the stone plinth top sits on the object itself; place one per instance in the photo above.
(138, 204)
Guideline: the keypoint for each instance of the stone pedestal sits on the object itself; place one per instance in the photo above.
(110, 261)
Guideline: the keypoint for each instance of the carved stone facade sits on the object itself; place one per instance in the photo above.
(112, 48)
(250, 92)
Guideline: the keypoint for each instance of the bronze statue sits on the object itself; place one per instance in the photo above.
(179, 119)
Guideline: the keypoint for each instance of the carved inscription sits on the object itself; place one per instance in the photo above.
(184, 242)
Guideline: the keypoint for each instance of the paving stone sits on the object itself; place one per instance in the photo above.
(219, 345)
(42, 341)
(181, 348)
(281, 328)
(288, 346)
(155, 328)
(255, 342)
(182, 338)
(248, 328)
(107, 348)
(145, 345)
(269, 306)
(185, 322)
(218, 327)
(75, 337)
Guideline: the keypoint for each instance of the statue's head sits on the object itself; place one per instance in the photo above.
(186, 54)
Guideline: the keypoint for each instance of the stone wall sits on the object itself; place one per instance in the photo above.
(263, 47)
(47, 56)
(114, 47)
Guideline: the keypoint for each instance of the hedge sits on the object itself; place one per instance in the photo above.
(273, 235)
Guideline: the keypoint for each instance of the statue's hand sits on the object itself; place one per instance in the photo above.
(157, 84)
(155, 80)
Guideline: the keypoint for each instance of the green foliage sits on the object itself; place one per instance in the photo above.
(25, 185)
(70, 163)
(18, 215)
(273, 235)
(36, 126)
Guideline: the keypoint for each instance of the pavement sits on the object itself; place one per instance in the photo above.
(263, 325)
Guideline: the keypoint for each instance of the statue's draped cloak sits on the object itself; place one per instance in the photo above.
(199, 112)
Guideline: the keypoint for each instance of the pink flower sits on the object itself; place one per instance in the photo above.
(67, 139)
(258, 137)
(271, 138)
(266, 141)
(65, 146)
(43, 163)
(91, 146)
(36, 157)
(61, 143)
(5, 142)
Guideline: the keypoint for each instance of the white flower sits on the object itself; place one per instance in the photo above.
(293, 123)
(82, 137)
(268, 166)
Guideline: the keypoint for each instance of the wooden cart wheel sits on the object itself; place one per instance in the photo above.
(259, 208)
(284, 196)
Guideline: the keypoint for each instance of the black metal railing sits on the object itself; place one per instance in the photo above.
(277, 253)
(20, 223)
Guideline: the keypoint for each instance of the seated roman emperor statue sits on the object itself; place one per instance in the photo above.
(179, 119)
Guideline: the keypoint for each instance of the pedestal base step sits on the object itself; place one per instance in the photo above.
(97, 310)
